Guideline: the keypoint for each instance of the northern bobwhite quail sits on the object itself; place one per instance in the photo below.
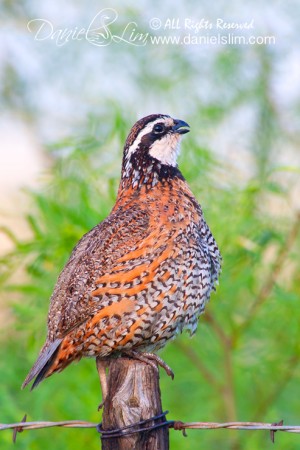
(143, 274)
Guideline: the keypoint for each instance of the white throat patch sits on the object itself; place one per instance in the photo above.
(166, 149)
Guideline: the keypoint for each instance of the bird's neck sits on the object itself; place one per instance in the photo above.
(146, 174)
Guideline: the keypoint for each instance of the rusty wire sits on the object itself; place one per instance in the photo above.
(177, 425)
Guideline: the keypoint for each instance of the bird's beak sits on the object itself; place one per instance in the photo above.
(180, 127)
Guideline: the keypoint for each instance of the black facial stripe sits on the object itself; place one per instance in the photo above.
(150, 138)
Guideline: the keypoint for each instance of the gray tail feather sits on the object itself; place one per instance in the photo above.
(42, 364)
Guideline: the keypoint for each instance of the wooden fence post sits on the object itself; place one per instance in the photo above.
(133, 396)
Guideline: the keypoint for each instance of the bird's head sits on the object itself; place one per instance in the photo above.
(155, 137)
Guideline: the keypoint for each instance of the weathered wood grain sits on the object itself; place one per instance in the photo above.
(133, 396)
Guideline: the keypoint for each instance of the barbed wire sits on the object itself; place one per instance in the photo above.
(177, 425)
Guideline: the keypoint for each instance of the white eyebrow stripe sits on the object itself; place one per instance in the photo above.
(148, 128)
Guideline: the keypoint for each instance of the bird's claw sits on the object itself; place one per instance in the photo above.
(149, 358)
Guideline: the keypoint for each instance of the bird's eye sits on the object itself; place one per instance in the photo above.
(158, 128)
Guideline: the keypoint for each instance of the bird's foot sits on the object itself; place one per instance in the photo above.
(149, 358)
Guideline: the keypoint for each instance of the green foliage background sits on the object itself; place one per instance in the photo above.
(243, 362)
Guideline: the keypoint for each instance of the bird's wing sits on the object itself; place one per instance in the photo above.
(94, 257)
(106, 262)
